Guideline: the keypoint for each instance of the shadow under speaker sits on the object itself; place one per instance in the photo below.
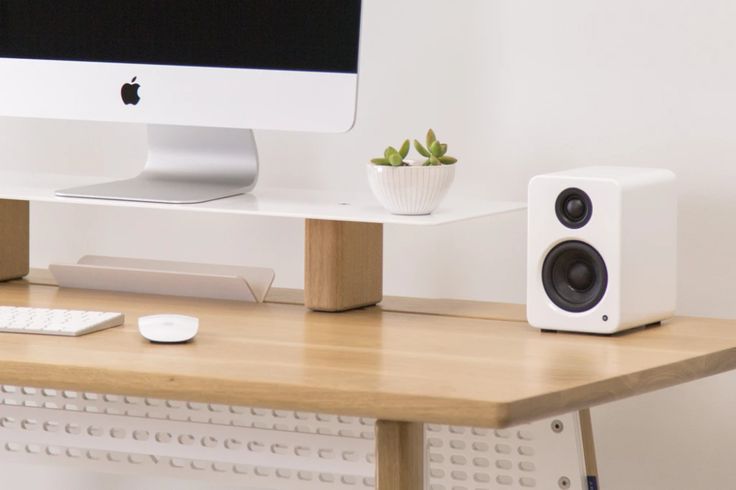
(602, 249)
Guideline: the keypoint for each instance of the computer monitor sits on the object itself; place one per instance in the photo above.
(201, 74)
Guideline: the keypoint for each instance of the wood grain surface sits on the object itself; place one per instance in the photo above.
(373, 363)
(14, 236)
(400, 456)
(343, 265)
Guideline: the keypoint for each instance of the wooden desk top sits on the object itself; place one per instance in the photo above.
(373, 363)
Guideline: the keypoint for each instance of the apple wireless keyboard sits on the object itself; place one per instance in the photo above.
(70, 323)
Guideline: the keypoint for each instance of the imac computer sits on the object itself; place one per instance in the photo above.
(201, 74)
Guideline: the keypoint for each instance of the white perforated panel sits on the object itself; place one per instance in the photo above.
(543, 455)
(269, 449)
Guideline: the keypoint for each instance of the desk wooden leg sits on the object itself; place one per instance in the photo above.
(343, 265)
(400, 456)
(14, 239)
(591, 463)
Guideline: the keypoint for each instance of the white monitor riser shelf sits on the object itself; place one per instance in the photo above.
(263, 201)
(348, 222)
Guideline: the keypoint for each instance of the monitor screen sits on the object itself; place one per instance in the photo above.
(289, 35)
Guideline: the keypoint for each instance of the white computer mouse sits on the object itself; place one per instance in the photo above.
(168, 329)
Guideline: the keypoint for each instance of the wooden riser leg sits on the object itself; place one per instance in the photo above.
(591, 462)
(343, 265)
(400, 456)
(14, 239)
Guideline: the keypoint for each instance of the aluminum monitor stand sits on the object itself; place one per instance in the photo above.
(186, 165)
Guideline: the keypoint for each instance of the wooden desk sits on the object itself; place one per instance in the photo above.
(404, 369)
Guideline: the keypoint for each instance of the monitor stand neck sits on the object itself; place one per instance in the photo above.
(186, 165)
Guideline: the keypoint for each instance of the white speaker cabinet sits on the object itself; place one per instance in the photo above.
(601, 249)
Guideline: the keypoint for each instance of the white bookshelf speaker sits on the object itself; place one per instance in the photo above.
(601, 249)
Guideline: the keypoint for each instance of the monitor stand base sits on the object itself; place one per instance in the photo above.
(186, 165)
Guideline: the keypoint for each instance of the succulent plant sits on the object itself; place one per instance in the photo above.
(394, 157)
(435, 152)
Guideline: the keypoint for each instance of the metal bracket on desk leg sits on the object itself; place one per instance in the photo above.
(14, 239)
(588, 444)
(343, 265)
(400, 456)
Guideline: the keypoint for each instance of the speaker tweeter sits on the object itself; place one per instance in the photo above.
(574, 208)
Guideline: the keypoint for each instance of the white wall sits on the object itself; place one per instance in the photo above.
(517, 87)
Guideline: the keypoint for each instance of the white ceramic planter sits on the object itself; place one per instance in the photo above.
(413, 190)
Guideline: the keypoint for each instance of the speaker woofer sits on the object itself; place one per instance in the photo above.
(574, 276)
(574, 208)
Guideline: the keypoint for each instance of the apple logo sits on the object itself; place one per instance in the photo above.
(129, 92)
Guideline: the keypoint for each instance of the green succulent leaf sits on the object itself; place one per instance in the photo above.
(433, 160)
(448, 160)
(404, 151)
(444, 150)
(395, 159)
(436, 149)
(421, 149)
(427, 163)
(431, 138)
(381, 161)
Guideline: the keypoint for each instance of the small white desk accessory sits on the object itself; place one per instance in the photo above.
(168, 329)
(166, 277)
